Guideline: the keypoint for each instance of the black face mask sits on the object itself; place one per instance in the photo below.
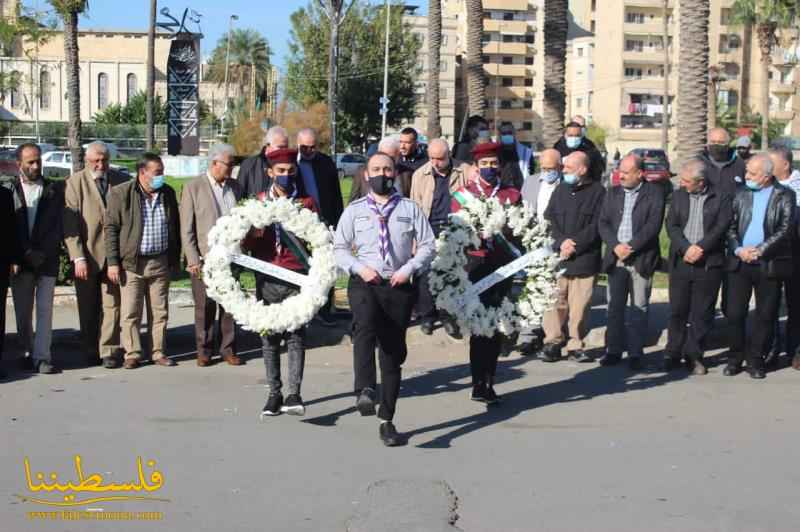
(718, 152)
(381, 185)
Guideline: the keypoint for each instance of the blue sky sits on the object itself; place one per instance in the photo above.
(270, 17)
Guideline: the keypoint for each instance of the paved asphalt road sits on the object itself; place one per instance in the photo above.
(573, 447)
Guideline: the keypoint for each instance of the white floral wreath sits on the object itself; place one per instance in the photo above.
(481, 218)
(224, 243)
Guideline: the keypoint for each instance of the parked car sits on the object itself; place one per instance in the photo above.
(655, 171)
(349, 164)
(652, 153)
(59, 164)
(8, 163)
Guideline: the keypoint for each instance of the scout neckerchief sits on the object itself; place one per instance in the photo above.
(383, 214)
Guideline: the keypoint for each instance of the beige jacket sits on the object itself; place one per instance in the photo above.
(198, 215)
(84, 214)
(423, 183)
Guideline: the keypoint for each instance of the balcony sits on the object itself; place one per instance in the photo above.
(508, 48)
(506, 5)
(518, 27)
(787, 115)
(510, 93)
(512, 115)
(645, 84)
(648, 28)
(508, 71)
(646, 56)
(649, 3)
(776, 87)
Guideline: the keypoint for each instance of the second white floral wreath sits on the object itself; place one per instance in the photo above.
(485, 219)
(224, 244)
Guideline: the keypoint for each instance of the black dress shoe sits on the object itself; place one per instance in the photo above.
(634, 363)
(389, 434)
(365, 404)
(26, 363)
(426, 327)
(551, 353)
(771, 360)
(452, 329)
(47, 368)
(111, 362)
(731, 370)
(581, 356)
(479, 393)
(610, 359)
(491, 397)
(756, 373)
(532, 348)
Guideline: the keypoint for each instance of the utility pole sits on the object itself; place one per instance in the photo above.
(150, 140)
(334, 10)
(385, 98)
(665, 111)
(227, 62)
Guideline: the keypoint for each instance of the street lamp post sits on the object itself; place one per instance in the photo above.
(227, 61)
(385, 99)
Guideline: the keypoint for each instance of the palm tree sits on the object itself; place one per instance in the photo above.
(151, 76)
(434, 63)
(69, 11)
(693, 68)
(555, 59)
(249, 64)
(476, 78)
(767, 17)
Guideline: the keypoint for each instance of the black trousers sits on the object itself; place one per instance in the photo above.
(426, 308)
(693, 294)
(484, 351)
(790, 337)
(381, 315)
(3, 295)
(741, 284)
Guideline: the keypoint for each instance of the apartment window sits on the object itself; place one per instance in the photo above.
(486, 59)
(527, 104)
(507, 60)
(580, 52)
(508, 82)
(725, 16)
(102, 90)
(634, 18)
(579, 103)
(508, 16)
(634, 46)
(527, 126)
(508, 38)
(132, 87)
(16, 98)
(529, 60)
(633, 73)
(592, 26)
(589, 103)
(44, 90)
(594, 5)
(529, 82)
(505, 104)
(530, 38)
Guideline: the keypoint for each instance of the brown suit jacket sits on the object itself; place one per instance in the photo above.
(198, 215)
(84, 215)
(423, 183)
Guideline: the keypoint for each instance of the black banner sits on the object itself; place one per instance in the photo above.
(183, 95)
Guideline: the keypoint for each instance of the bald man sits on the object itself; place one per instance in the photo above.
(573, 212)
(725, 169)
(431, 187)
(253, 179)
(319, 177)
(630, 222)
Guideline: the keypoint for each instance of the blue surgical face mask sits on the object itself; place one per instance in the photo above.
(157, 182)
(570, 179)
(507, 139)
(573, 142)
(551, 176)
(286, 182)
(489, 175)
(752, 185)
(483, 134)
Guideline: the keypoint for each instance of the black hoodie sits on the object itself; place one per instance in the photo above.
(728, 176)
(597, 165)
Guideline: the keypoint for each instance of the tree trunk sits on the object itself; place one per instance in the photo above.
(434, 65)
(712, 104)
(555, 58)
(151, 77)
(73, 89)
(693, 78)
(766, 39)
(476, 78)
(744, 93)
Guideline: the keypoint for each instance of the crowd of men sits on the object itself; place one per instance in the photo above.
(732, 226)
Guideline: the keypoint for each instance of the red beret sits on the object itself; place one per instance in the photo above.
(487, 149)
(282, 156)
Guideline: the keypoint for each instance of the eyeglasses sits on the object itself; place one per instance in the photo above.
(307, 148)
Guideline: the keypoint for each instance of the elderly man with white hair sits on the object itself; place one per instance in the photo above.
(85, 195)
(203, 200)
(760, 257)
(391, 147)
(319, 177)
(431, 187)
(253, 177)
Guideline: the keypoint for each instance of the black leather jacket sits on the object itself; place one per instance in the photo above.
(779, 227)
